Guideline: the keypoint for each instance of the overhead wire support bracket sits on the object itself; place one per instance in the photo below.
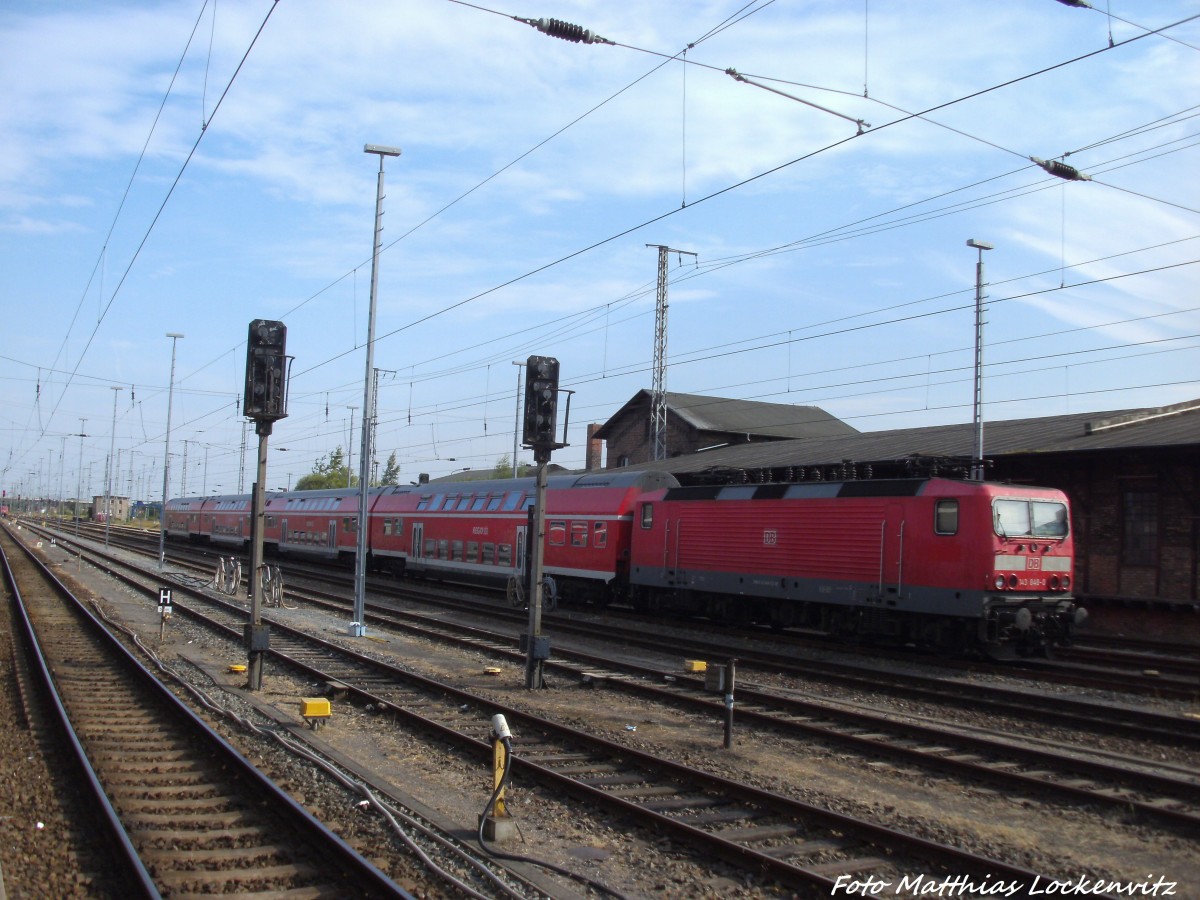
(568, 31)
(738, 76)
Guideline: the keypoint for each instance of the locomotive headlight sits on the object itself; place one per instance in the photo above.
(999, 582)
(1054, 583)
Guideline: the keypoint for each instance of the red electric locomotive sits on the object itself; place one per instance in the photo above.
(947, 564)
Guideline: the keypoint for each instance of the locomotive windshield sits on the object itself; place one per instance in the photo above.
(1030, 518)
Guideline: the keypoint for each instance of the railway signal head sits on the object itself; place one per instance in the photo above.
(266, 371)
(541, 401)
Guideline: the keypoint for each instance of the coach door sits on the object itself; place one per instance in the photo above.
(283, 532)
(891, 555)
(333, 535)
(522, 531)
(418, 538)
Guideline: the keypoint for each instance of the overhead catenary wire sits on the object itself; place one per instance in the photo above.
(606, 310)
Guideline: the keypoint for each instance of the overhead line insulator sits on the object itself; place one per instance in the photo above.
(567, 31)
(1060, 169)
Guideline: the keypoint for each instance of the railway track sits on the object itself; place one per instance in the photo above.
(774, 836)
(1153, 669)
(189, 813)
(1154, 791)
(769, 656)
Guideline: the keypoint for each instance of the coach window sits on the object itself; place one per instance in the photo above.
(512, 501)
(430, 548)
(600, 535)
(450, 501)
(387, 527)
(479, 503)
(465, 502)
(489, 554)
(456, 550)
(423, 503)
(946, 517)
(579, 534)
(647, 515)
(443, 547)
(494, 502)
(504, 554)
(558, 533)
(472, 551)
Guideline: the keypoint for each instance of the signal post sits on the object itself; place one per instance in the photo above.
(541, 411)
(265, 402)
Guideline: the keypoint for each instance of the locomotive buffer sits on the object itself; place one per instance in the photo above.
(541, 412)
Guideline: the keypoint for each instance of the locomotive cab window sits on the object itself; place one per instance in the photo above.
(600, 534)
(945, 517)
(647, 515)
(1028, 518)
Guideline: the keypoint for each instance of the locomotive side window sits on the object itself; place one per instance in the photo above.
(647, 515)
(946, 517)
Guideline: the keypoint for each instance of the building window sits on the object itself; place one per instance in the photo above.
(1139, 527)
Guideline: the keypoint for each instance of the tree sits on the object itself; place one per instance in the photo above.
(503, 468)
(330, 471)
(391, 472)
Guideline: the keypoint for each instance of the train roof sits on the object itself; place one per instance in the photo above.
(881, 487)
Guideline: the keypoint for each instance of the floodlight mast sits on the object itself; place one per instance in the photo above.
(358, 627)
(162, 514)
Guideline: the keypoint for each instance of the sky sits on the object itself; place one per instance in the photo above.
(187, 167)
